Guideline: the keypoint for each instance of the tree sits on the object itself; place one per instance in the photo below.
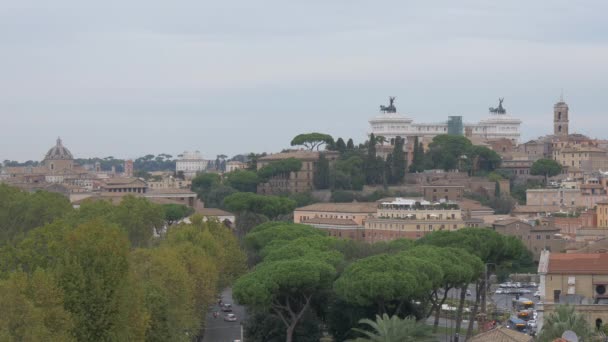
(32, 309)
(312, 140)
(546, 167)
(398, 162)
(243, 180)
(392, 328)
(270, 206)
(21, 211)
(418, 157)
(483, 158)
(139, 218)
(92, 271)
(387, 281)
(459, 268)
(286, 287)
(340, 145)
(373, 166)
(202, 183)
(348, 174)
(216, 196)
(350, 145)
(176, 212)
(564, 318)
(445, 151)
(321, 175)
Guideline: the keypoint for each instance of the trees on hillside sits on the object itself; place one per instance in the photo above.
(243, 180)
(322, 171)
(269, 206)
(546, 168)
(279, 168)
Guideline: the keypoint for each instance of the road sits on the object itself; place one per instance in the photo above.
(218, 330)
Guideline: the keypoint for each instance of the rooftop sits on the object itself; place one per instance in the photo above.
(213, 212)
(502, 334)
(331, 221)
(571, 263)
(354, 207)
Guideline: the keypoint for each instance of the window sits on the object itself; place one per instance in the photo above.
(418, 227)
(548, 237)
(537, 237)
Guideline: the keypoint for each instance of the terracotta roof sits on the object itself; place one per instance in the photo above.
(122, 181)
(354, 207)
(213, 212)
(331, 221)
(505, 222)
(535, 208)
(292, 154)
(501, 334)
(168, 191)
(571, 263)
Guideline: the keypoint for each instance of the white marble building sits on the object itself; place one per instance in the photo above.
(497, 125)
(190, 163)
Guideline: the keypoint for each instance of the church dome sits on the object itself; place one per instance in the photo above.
(58, 152)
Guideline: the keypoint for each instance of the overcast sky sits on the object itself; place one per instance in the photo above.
(131, 77)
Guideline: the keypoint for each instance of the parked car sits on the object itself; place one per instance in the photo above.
(499, 291)
(532, 323)
(227, 307)
(468, 292)
(532, 284)
(230, 317)
(537, 294)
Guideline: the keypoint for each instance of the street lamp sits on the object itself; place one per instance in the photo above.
(486, 286)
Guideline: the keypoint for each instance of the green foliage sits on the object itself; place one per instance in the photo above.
(262, 327)
(243, 180)
(176, 212)
(418, 157)
(32, 309)
(340, 145)
(202, 183)
(269, 206)
(21, 211)
(138, 217)
(278, 232)
(303, 198)
(398, 162)
(495, 177)
(564, 318)
(322, 172)
(373, 165)
(312, 140)
(546, 168)
(445, 151)
(279, 168)
(348, 174)
(387, 281)
(216, 196)
(393, 328)
(350, 145)
(77, 278)
(483, 159)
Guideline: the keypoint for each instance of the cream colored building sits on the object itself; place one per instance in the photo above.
(602, 214)
(411, 218)
(234, 165)
(586, 158)
(577, 279)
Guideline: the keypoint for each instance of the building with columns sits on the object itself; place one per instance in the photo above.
(390, 124)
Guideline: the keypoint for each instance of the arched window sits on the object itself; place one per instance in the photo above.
(559, 129)
(559, 115)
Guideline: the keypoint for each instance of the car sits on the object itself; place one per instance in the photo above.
(524, 291)
(227, 307)
(230, 317)
(499, 291)
(518, 285)
(537, 294)
(532, 284)
(532, 323)
(468, 292)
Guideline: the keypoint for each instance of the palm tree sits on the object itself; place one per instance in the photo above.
(394, 329)
(562, 319)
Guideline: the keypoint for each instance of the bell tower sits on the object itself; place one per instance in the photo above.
(560, 118)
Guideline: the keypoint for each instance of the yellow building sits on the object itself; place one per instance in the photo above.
(577, 279)
(602, 214)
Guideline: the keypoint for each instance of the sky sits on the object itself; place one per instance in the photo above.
(131, 77)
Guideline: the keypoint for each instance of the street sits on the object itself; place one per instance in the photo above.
(218, 330)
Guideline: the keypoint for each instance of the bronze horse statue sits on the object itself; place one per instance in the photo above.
(391, 107)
